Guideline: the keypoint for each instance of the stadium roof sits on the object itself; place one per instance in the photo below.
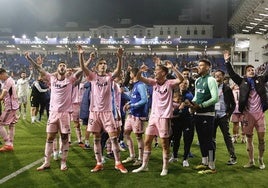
(251, 17)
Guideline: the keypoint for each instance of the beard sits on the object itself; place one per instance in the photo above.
(61, 72)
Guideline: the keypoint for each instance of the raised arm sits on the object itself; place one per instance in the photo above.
(90, 59)
(37, 65)
(38, 87)
(78, 73)
(31, 73)
(84, 66)
(143, 68)
(178, 74)
(234, 76)
(118, 68)
(127, 76)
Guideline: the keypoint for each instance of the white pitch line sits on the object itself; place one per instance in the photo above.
(14, 174)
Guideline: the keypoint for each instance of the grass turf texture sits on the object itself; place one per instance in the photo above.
(29, 147)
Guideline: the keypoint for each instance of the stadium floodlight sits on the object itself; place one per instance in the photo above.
(10, 46)
(79, 37)
(123, 36)
(257, 32)
(46, 37)
(13, 36)
(265, 15)
(111, 46)
(24, 36)
(168, 37)
(258, 19)
(253, 23)
(111, 37)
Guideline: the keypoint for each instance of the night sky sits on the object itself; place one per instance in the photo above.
(28, 16)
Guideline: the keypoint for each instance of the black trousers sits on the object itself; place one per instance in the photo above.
(204, 128)
(182, 127)
(223, 123)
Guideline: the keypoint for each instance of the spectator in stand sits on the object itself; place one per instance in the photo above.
(11, 105)
(252, 103)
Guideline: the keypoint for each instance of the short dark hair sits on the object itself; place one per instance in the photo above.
(62, 62)
(185, 69)
(219, 70)
(134, 71)
(164, 68)
(206, 61)
(248, 66)
(2, 71)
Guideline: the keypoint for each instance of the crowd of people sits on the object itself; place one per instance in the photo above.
(169, 104)
(16, 63)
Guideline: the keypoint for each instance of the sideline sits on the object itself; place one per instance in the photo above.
(14, 174)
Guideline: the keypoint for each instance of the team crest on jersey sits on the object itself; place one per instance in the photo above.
(58, 86)
(101, 84)
(159, 91)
